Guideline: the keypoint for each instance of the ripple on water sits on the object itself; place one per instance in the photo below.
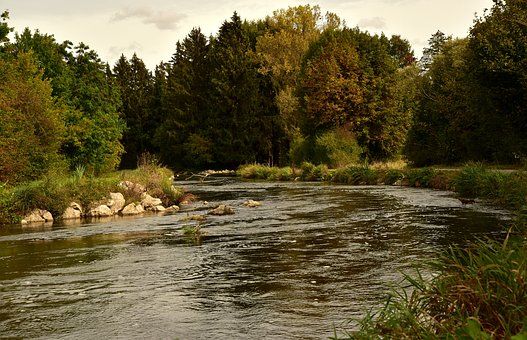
(312, 256)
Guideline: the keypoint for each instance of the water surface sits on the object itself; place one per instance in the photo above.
(312, 256)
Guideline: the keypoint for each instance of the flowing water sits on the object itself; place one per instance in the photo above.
(310, 258)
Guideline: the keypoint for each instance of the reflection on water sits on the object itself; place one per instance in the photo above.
(310, 257)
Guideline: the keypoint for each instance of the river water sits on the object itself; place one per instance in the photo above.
(311, 258)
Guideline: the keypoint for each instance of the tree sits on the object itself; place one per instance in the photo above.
(30, 121)
(443, 123)
(401, 50)
(80, 82)
(185, 133)
(242, 114)
(4, 27)
(435, 44)
(136, 89)
(348, 79)
(94, 127)
(498, 64)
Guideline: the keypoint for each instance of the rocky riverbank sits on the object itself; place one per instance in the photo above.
(114, 204)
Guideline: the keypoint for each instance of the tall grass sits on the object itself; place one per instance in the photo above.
(506, 189)
(478, 293)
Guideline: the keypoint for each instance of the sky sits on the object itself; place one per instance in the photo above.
(151, 28)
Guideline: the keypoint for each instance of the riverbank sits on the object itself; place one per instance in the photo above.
(88, 196)
(505, 189)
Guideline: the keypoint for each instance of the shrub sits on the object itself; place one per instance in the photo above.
(336, 148)
(392, 176)
(356, 175)
(421, 177)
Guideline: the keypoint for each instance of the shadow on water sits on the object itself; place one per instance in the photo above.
(310, 256)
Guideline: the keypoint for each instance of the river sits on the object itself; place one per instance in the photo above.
(312, 257)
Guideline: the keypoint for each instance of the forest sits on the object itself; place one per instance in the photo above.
(298, 85)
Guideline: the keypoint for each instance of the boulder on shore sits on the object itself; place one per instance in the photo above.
(100, 211)
(132, 209)
(222, 209)
(252, 204)
(116, 202)
(73, 212)
(158, 208)
(149, 203)
(38, 216)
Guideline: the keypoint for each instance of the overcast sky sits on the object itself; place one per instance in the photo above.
(151, 28)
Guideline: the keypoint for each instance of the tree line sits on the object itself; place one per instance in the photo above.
(298, 85)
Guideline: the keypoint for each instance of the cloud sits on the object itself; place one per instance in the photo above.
(374, 22)
(116, 51)
(163, 20)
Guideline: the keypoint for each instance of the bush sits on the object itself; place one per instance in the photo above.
(336, 148)
(507, 189)
(356, 175)
(30, 121)
(420, 177)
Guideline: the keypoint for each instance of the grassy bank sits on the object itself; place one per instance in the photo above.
(472, 181)
(54, 192)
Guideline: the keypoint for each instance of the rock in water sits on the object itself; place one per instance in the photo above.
(252, 204)
(74, 211)
(38, 216)
(222, 210)
(100, 211)
(158, 208)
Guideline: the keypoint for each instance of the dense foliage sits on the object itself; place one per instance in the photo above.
(295, 86)
(472, 99)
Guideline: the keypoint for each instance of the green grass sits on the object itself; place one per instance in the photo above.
(478, 293)
(56, 191)
(508, 190)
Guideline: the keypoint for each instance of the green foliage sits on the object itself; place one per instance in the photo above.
(336, 148)
(357, 175)
(472, 103)
(349, 80)
(137, 91)
(507, 189)
(94, 126)
(310, 172)
(478, 293)
(31, 128)
(87, 94)
(421, 177)
(4, 27)
(255, 171)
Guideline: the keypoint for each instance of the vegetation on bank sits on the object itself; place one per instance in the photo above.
(476, 293)
(55, 191)
(507, 189)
